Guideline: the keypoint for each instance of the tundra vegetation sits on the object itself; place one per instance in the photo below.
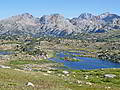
(28, 62)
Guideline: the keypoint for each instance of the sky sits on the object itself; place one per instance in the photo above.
(68, 8)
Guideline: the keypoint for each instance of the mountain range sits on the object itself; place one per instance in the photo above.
(58, 25)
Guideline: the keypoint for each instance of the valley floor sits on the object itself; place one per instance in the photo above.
(27, 62)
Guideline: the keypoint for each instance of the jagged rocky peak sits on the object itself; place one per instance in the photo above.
(108, 17)
(104, 15)
(86, 16)
(22, 16)
(57, 15)
(18, 21)
(27, 15)
(54, 19)
(47, 19)
(57, 24)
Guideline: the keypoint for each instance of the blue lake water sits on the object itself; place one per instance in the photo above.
(5, 52)
(85, 63)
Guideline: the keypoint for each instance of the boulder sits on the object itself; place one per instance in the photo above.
(2, 66)
(29, 84)
(49, 72)
(86, 77)
(109, 75)
(79, 82)
(65, 72)
(88, 83)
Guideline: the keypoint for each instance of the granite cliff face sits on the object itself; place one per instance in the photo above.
(58, 25)
(96, 24)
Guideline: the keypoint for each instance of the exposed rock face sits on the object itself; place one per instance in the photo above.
(101, 23)
(108, 17)
(20, 24)
(86, 16)
(58, 25)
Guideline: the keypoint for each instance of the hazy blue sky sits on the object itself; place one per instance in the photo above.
(69, 8)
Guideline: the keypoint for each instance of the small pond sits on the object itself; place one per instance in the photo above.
(6, 52)
(84, 63)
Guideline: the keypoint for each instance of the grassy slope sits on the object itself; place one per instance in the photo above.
(15, 80)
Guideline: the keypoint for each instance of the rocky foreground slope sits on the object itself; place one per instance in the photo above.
(58, 25)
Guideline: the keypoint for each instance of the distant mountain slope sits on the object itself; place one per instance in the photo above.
(101, 23)
(58, 25)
